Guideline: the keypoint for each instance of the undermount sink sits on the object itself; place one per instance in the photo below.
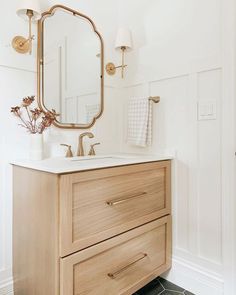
(94, 158)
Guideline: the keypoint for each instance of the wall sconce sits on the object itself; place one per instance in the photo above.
(123, 43)
(30, 11)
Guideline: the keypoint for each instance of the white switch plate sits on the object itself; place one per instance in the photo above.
(206, 110)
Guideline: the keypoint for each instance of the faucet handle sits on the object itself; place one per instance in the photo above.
(92, 150)
(69, 153)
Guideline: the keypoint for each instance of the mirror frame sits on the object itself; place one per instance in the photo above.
(40, 67)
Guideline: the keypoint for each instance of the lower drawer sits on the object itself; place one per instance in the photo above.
(120, 265)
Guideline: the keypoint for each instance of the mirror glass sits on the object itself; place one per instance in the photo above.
(71, 66)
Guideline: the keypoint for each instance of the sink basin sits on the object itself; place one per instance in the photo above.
(94, 158)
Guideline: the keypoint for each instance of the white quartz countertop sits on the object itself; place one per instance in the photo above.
(77, 164)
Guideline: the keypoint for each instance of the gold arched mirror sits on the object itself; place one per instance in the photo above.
(70, 67)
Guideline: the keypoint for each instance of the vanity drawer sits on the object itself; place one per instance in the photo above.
(121, 265)
(100, 204)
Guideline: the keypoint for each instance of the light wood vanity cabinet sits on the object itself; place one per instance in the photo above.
(105, 231)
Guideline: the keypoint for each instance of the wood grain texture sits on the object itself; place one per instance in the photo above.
(35, 233)
(86, 272)
(55, 216)
(86, 218)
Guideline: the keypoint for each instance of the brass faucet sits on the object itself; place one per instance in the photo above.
(80, 151)
(69, 153)
(92, 150)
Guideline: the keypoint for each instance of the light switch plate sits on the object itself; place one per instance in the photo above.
(206, 110)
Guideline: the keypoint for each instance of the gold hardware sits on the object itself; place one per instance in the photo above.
(21, 44)
(80, 151)
(123, 61)
(111, 68)
(40, 67)
(122, 268)
(123, 200)
(92, 150)
(155, 99)
(69, 153)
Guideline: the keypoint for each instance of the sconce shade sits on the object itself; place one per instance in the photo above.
(24, 5)
(124, 39)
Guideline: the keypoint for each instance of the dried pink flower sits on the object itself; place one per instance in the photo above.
(35, 113)
(27, 101)
(15, 110)
(48, 119)
(33, 124)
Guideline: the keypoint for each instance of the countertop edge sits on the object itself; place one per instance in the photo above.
(42, 165)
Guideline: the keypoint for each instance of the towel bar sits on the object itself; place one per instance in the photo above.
(155, 99)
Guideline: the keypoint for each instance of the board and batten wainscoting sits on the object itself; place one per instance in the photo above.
(197, 145)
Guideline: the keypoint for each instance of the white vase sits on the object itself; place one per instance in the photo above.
(36, 147)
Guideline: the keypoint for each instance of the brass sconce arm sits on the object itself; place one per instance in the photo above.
(123, 48)
(21, 44)
(30, 14)
(111, 68)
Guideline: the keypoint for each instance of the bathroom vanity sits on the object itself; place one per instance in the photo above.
(98, 225)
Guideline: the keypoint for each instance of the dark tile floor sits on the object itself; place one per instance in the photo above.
(160, 286)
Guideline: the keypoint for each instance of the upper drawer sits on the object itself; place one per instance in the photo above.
(97, 205)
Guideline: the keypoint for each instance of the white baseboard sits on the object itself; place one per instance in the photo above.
(6, 288)
(194, 279)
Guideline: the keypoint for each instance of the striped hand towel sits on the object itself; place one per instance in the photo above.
(139, 122)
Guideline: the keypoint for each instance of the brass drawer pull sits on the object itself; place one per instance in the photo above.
(123, 200)
(134, 260)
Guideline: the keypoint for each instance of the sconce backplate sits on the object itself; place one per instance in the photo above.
(110, 69)
(21, 44)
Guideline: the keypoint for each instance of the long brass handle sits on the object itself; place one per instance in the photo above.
(133, 261)
(123, 200)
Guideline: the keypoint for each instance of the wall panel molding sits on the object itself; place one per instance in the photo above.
(17, 69)
(193, 234)
(169, 76)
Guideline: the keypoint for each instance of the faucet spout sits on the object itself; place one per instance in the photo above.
(80, 151)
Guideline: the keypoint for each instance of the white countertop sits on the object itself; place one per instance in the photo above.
(77, 164)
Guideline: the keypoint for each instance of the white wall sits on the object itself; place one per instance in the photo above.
(16, 77)
(179, 54)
